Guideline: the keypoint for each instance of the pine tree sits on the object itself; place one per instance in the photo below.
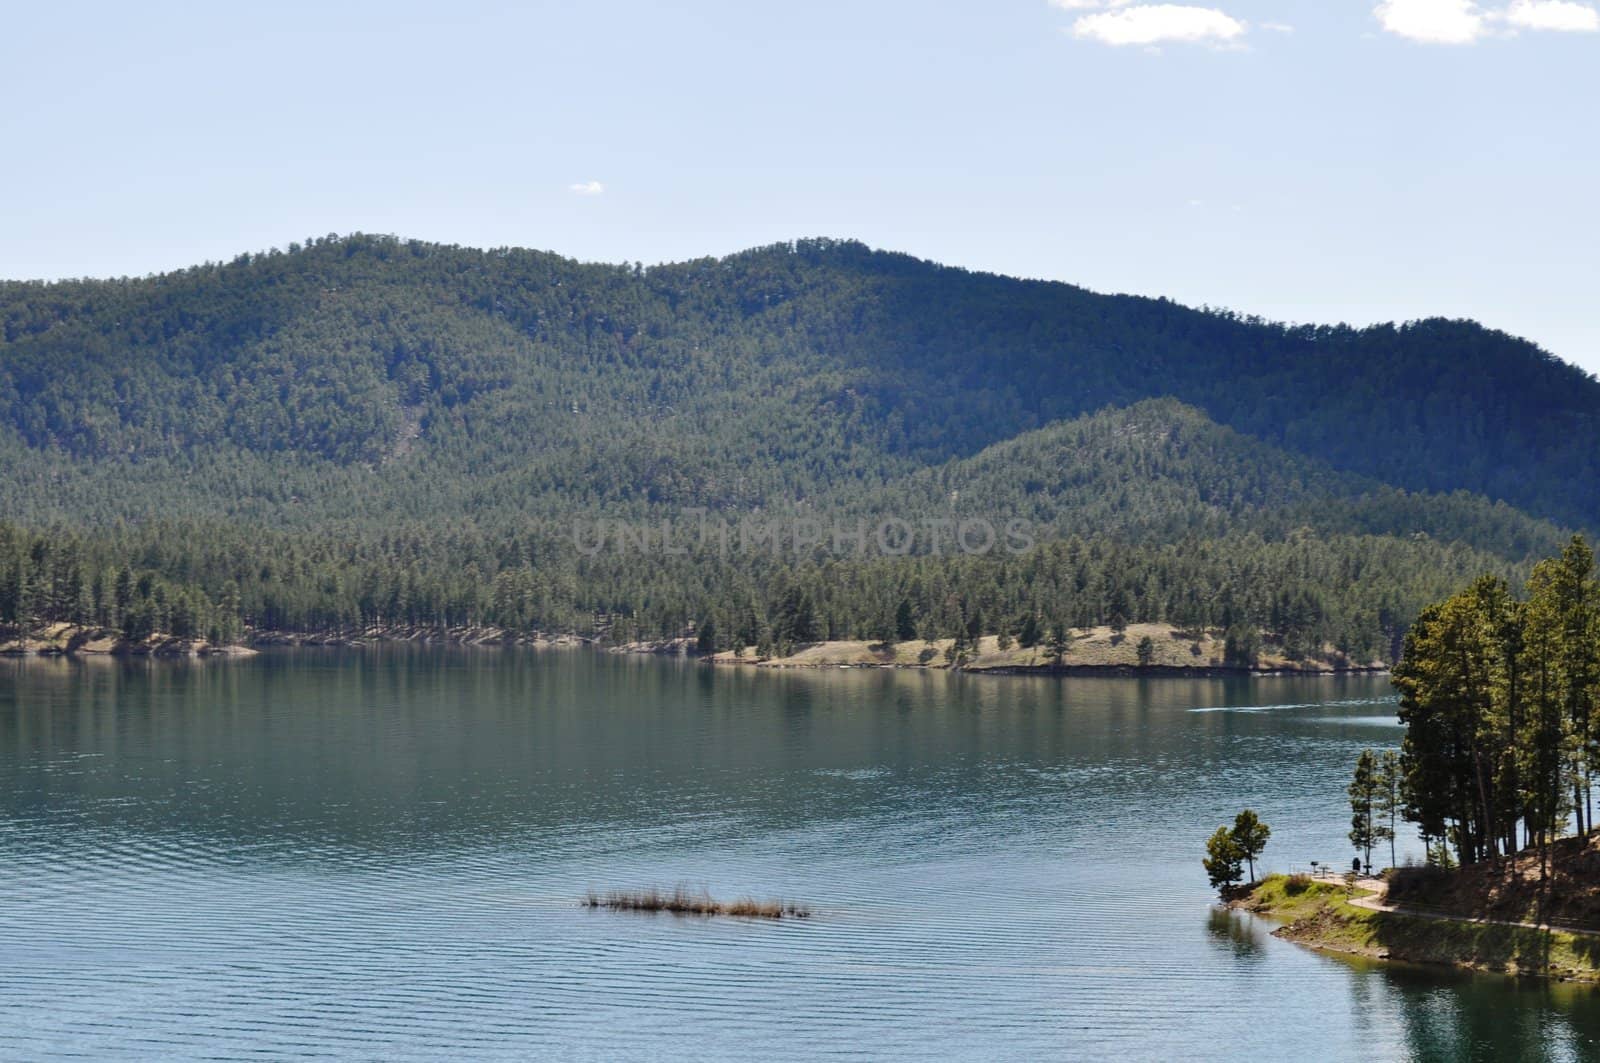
(13, 593)
(1365, 792)
(1387, 806)
(1059, 641)
(1241, 646)
(1250, 835)
(905, 625)
(1224, 860)
(706, 641)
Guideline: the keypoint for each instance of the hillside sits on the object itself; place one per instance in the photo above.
(1333, 917)
(392, 368)
(1161, 471)
(371, 432)
(1568, 895)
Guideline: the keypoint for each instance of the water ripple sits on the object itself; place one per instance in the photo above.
(381, 858)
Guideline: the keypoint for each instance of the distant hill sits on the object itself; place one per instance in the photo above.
(1161, 471)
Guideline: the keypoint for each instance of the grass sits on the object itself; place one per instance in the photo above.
(683, 901)
(1320, 915)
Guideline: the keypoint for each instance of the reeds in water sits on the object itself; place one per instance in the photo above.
(683, 901)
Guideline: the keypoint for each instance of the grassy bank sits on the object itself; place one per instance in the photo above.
(1319, 915)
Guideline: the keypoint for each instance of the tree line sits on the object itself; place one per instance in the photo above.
(49, 579)
(1353, 594)
(1500, 698)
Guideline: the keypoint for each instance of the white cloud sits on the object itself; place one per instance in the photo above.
(586, 188)
(1463, 21)
(1561, 15)
(1150, 24)
(1433, 21)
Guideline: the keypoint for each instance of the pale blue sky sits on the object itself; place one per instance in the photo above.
(1336, 160)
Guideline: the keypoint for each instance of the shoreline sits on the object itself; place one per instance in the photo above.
(1329, 916)
(1088, 671)
(491, 637)
(1149, 650)
(72, 640)
(1093, 653)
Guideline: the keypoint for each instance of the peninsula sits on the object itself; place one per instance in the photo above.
(1482, 917)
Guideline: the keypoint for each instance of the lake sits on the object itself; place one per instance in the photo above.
(380, 854)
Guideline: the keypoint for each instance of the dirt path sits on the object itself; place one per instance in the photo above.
(1376, 901)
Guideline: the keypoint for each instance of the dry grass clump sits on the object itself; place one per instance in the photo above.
(683, 901)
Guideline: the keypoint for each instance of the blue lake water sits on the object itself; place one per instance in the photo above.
(379, 855)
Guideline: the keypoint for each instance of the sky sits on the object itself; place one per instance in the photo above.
(1337, 160)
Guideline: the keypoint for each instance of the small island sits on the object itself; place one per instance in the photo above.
(683, 901)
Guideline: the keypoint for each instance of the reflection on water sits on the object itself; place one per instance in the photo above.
(1241, 936)
(379, 855)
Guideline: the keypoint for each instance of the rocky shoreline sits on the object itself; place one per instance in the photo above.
(419, 635)
(1094, 652)
(70, 640)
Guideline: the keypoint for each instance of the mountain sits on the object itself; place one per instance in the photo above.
(366, 427)
(774, 374)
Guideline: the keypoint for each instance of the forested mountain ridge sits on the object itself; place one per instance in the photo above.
(779, 373)
(1161, 471)
(369, 431)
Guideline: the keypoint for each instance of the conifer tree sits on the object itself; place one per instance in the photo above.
(1250, 835)
(1366, 789)
(1224, 860)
